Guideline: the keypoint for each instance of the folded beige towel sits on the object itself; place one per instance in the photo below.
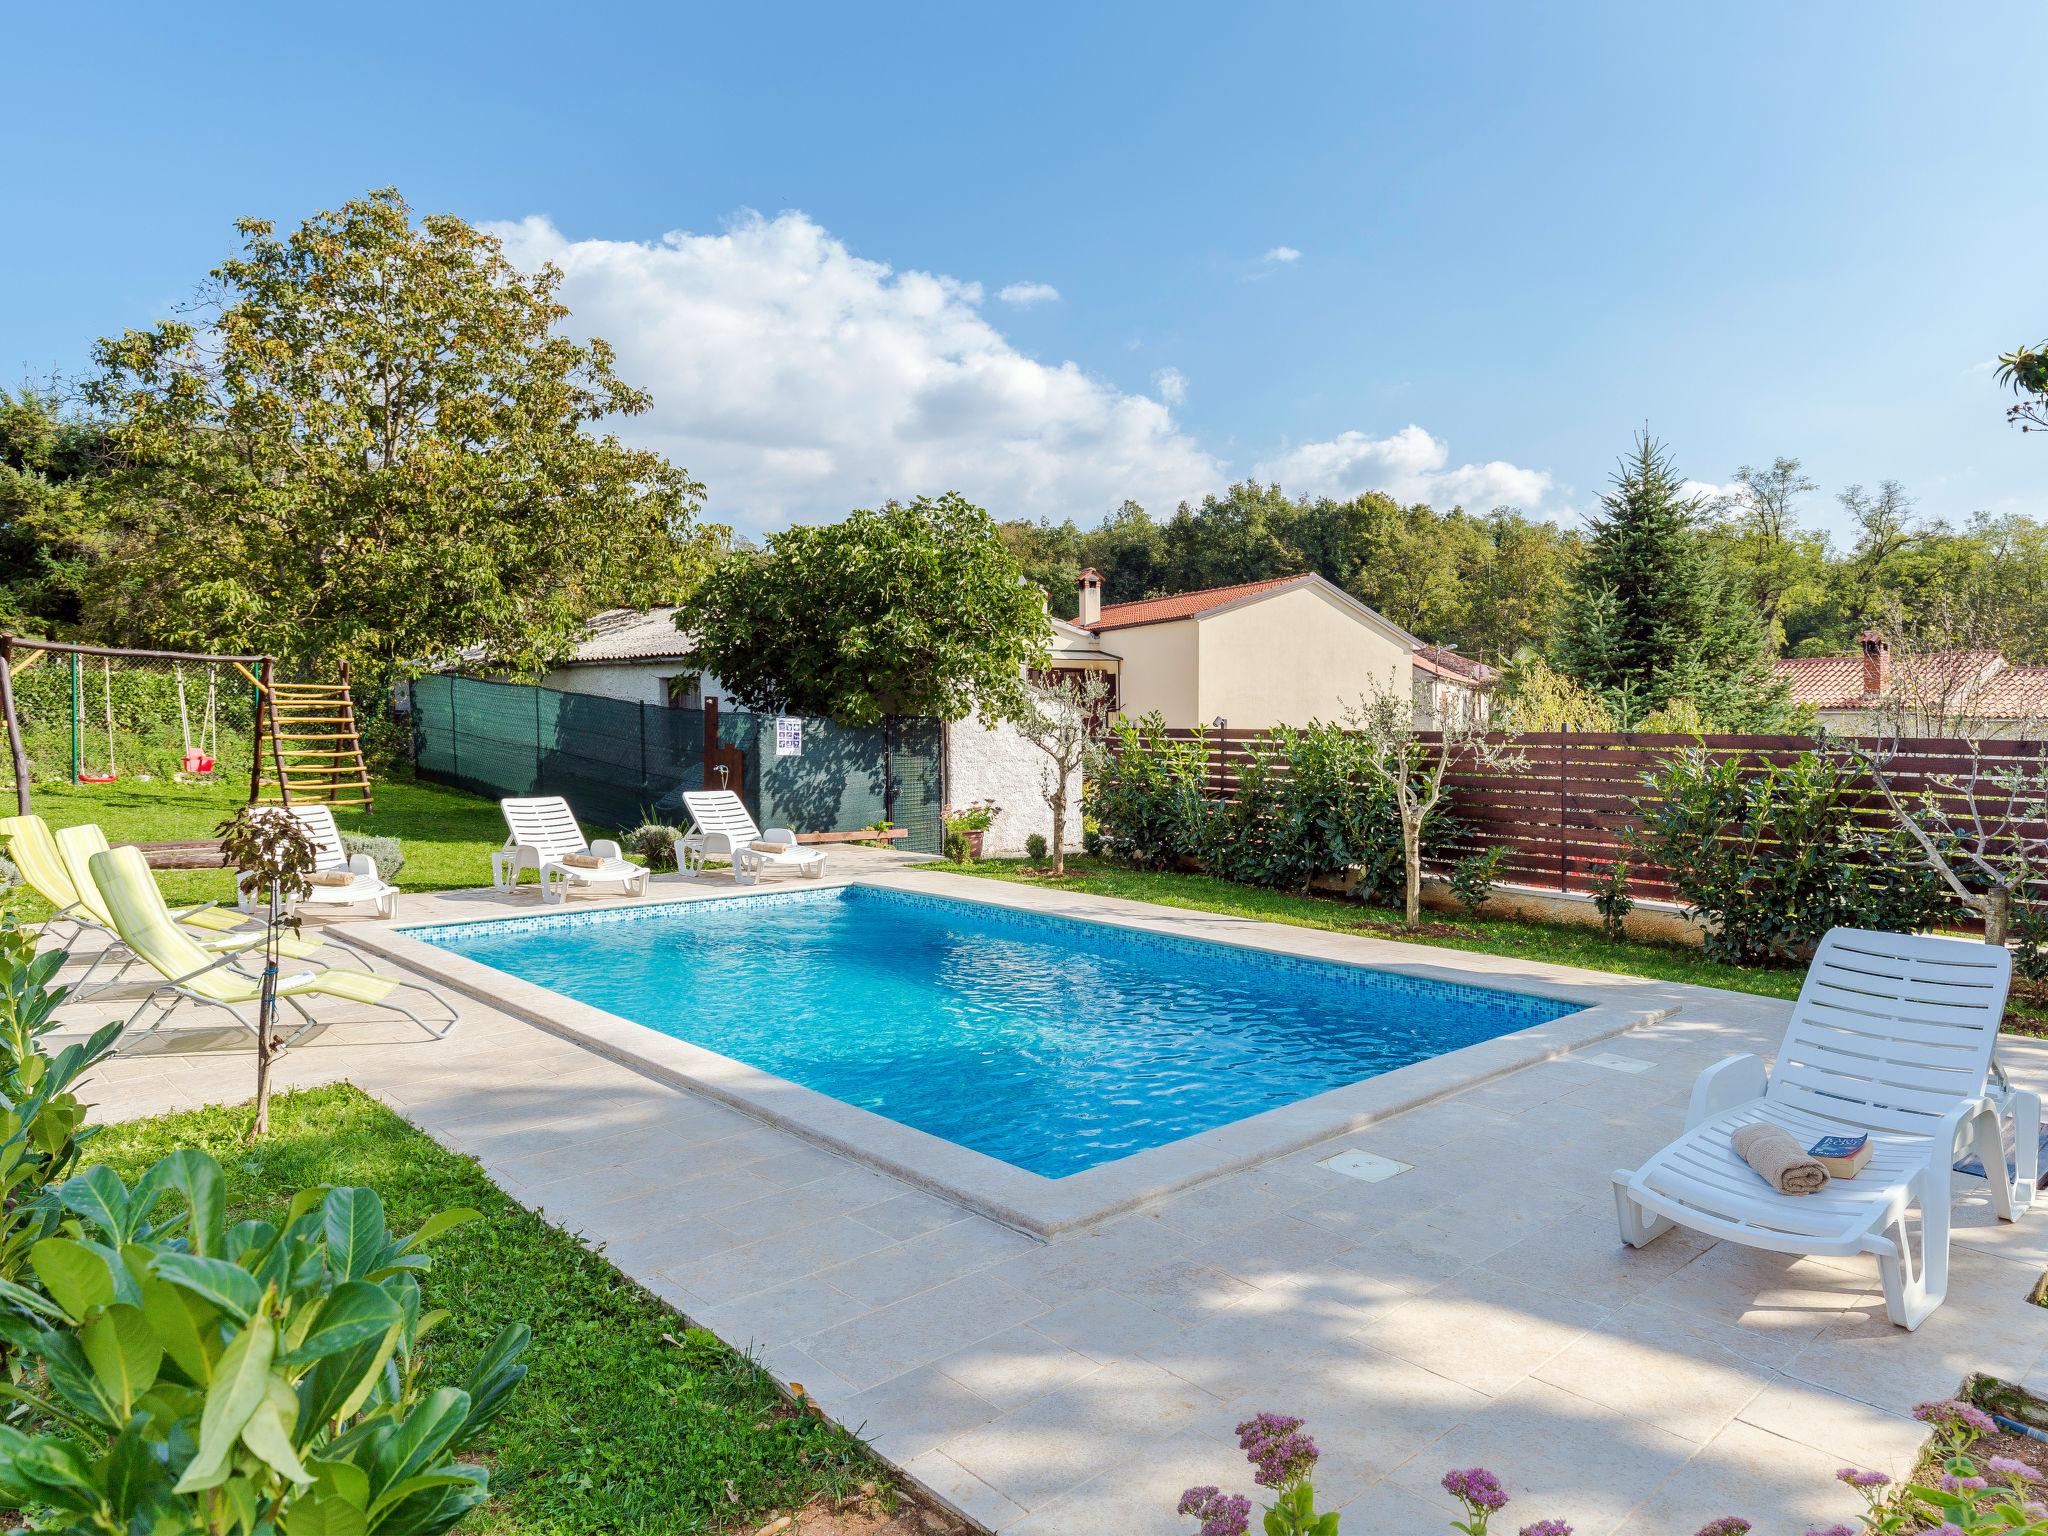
(1779, 1160)
(334, 877)
(582, 861)
(763, 847)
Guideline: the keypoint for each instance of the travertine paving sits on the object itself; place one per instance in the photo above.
(1477, 1308)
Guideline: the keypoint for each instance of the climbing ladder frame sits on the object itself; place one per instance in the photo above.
(316, 750)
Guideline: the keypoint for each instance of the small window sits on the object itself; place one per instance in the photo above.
(685, 690)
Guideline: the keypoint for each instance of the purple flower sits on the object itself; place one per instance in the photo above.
(1271, 1443)
(1955, 1415)
(2005, 1466)
(1477, 1488)
(1727, 1525)
(1833, 1530)
(1944, 1529)
(1221, 1514)
(1859, 1479)
(1546, 1528)
(1950, 1483)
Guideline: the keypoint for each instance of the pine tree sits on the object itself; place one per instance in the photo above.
(1654, 617)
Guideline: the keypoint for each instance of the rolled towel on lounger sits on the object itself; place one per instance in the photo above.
(765, 847)
(582, 861)
(335, 878)
(1779, 1160)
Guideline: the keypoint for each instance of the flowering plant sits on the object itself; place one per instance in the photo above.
(1282, 1458)
(2004, 1494)
(975, 816)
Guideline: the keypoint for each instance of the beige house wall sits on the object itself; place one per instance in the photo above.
(1158, 671)
(1298, 656)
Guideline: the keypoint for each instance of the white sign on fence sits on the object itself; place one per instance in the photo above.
(789, 736)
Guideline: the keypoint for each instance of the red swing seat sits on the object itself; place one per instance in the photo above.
(98, 778)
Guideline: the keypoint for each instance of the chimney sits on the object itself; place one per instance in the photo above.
(1090, 583)
(1877, 662)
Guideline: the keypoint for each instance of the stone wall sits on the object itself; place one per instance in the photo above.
(999, 764)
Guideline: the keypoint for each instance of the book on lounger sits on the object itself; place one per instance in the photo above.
(1843, 1156)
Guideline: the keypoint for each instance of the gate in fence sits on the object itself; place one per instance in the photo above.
(620, 763)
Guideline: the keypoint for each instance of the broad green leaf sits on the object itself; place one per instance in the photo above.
(354, 1312)
(240, 1382)
(195, 1176)
(494, 1376)
(338, 1479)
(433, 1510)
(64, 1362)
(124, 1352)
(75, 1276)
(133, 1475)
(268, 1433)
(339, 1384)
(186, 1325)
(425, 1433)
(26, 1299)
(439, 1222)
(357, 1238)
(101, 1198)
(324, 1515)
(228, 1286)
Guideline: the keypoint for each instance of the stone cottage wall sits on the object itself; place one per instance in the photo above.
(999, 764)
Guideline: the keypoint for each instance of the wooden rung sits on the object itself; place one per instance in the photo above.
(332, 770)
(285, 719)
(318, 736)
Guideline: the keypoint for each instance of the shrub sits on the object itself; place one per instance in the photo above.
(1774, 855)
(1091, 839)
(956, 847)
(655, 844)
(1034, 848)
(1613, 902)
(242, 1379)
(384, 852)
(2030, 940)
(1147, 792)
(1474, 877)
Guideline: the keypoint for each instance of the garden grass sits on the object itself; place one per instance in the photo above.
(628, 1421)
(1558, 943)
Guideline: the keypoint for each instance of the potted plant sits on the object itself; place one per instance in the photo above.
(969, 824)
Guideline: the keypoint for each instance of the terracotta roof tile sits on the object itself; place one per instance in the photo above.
(1447, 662)
(1184, 605)
(1836, 682)
(2017, 693)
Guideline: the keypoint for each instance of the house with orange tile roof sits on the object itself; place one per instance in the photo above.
(1962, 692)
(1286, 651)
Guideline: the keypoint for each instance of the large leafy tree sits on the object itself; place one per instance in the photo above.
(1655, 617)
(377, 444)
(50, 460)
(913, 609)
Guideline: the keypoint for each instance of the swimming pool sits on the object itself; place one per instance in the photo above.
(1052, 1044)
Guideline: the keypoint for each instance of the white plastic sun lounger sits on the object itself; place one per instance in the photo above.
(725, 828)
(1892, 1035)
(542, 831)
(365, 887)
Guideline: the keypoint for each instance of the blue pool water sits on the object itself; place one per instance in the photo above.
(1052, 1044)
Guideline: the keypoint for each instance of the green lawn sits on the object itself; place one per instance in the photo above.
(1562, 943)
(447, 834)
(627, 1422)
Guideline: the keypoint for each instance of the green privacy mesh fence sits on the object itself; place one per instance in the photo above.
(619, 763)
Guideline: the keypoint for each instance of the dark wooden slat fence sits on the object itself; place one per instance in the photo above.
(1565, 814)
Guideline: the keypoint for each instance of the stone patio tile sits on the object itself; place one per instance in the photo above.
(961, 1491)
(840, 1192)
(1181, 1289)
(1558, 1455)
(1386, 1510)
(1773, 1292)
(587, 1191)
(1108, 1325)
(1239, 1199)
(909, 1214)
(1268, 1250)
(1665, 1367)
(925, 1328)
(1481, 1329)
(696, 1198)
(1118, 1417)
(1141, 1498)
(1583, 1253)
(675, 1245)
(780, 1314)
(1010, 1368)
(793, 1368)
(800, 1164)
(755, 1266)
(1074, 1264)
(911, 1414)
(1236, 1352)
(1848, 1431)
(1781, 1485)
(919, 1263)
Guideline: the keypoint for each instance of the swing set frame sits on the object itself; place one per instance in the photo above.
(18, 653)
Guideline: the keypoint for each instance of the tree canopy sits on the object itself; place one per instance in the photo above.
(379, 445)
(914, 609)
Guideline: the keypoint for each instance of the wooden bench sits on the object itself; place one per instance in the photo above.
(202, 854)
(866, 835)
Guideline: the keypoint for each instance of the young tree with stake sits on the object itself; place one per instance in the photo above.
(269, 844)
(1058, 717)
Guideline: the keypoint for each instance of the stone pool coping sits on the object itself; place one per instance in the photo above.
(1031, 1202)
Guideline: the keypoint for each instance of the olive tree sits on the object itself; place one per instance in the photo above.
(268, 846)
(1413, 771)
(1059, 718)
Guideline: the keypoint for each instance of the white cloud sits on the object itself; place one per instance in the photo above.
(797, 380)
(1172, 385)
(1028, 293)
(1282, 255)
(1410, 466)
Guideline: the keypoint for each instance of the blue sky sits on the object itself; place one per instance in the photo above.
(1521, 232)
